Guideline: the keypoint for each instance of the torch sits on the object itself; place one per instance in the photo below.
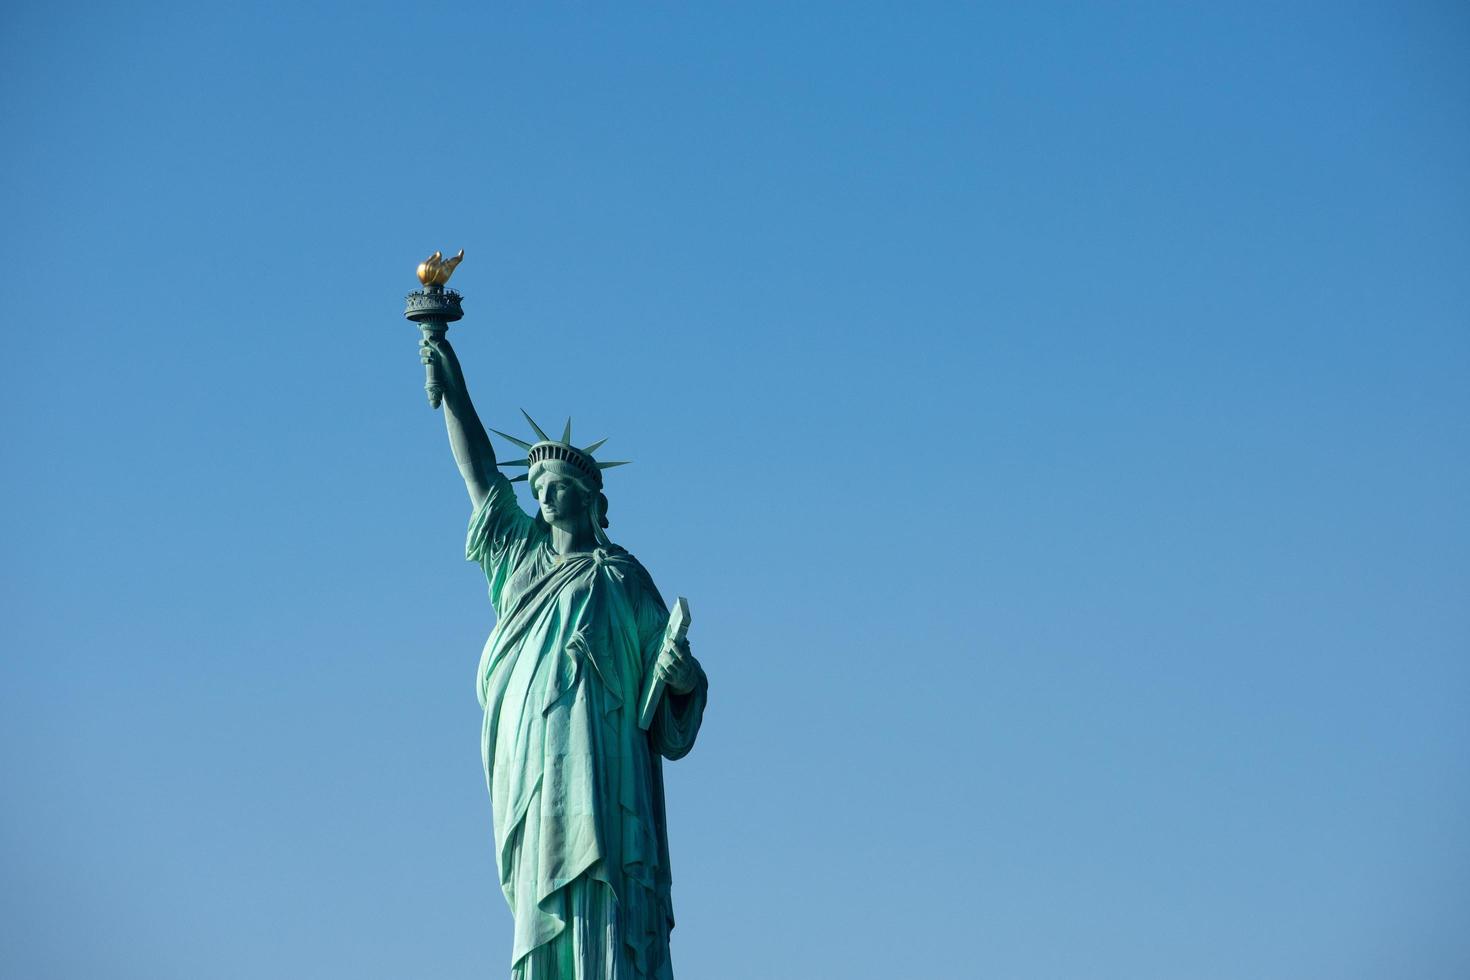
(434, 308)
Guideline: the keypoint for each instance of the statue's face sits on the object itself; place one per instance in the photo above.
(563, 502)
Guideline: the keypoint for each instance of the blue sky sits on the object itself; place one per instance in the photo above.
(1056, 417)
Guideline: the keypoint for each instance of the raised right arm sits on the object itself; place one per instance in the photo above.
(467, 437)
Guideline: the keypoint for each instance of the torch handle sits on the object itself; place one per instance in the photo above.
(433, 384)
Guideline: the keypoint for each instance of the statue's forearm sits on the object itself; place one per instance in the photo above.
(470, 445)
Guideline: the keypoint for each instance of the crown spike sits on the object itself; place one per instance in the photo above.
(594, 447)
(566, 434)
(509, 438)
(515, 462)
(543, 436)
(608, 466)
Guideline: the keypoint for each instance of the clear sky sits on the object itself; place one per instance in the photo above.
(1056, 415)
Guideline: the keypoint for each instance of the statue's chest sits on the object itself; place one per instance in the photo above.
(566, 589)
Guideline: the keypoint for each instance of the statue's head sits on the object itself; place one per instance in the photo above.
(566, 481)
(568, 499)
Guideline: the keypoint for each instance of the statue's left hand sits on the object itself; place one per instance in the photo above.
(677, 668)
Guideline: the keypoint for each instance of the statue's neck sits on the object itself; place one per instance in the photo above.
(573, 541)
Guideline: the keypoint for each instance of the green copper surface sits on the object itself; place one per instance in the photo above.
(582, 641)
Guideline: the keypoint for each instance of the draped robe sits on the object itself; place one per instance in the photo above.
(576, 787)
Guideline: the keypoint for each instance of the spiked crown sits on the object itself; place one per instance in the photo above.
(562, 450)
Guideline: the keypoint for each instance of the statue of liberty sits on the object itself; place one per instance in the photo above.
(586, 689)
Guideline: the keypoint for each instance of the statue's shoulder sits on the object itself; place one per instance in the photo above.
(635, 575)
(624, 558)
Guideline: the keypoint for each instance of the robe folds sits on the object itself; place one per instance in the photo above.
(576, 787)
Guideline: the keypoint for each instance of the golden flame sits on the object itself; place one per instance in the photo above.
(436, 269)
